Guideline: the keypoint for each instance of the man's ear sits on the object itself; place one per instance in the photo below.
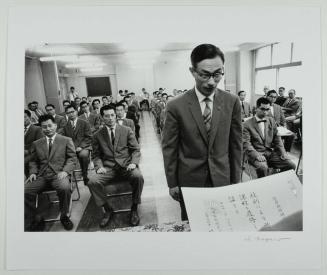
(191, 70)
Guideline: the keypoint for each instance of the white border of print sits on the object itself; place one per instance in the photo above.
(34, 25)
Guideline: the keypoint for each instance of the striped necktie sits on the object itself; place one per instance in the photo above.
(207, 115)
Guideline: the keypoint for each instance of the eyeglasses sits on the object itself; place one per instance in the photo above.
(264, 109)
(70, 112)
(206, 76)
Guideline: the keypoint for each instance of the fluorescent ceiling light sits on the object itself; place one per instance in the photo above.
(91, 69)
(84, 65)
(67, 58)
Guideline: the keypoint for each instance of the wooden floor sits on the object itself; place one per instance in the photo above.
(157, 207)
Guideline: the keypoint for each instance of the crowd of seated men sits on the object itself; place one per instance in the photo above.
(54, 143)
(263, 145)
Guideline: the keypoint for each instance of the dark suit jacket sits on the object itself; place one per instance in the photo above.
(126, 149)
(94, 121)
(33, 133)
(247, 110)
(129, 123)
(253, 141)
(82, 136)
(280, 100)
(190, 156)
(61, 123)
(278, 115)
(291, 106)
(62, 156)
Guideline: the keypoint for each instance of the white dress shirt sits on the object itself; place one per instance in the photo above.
(52, 138)
(261, 126)
(202, 103)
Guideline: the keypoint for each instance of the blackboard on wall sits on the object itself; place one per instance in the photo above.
(98, 86)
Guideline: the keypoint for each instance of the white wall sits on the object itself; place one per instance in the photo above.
(34, 87)
(245, 74)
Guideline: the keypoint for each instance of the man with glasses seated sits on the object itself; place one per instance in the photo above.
(261, 142)
(91, 118)
(202, 133)
(277, 113)
(80, 132)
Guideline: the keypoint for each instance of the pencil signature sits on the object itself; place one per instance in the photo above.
(265, 239)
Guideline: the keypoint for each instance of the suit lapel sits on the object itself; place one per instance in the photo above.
(77, 127)
(217, 102)
(44, 145)
(197, 114)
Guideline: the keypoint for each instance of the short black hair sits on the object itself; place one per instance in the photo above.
(164, 94)
(83, 102)
(29, 104)
(107, 107)
(35, 102)
(292, 90)
(70, 106)
(262, 100)
(64, 101)
(49, 105)
(77, 98)
(240, 92)
(46, 118)
(119, 104)
(271, 92)
(94, 100)
(127, 96)
(104, 97)
(283, 88)
(72, 87)
(28, 113)
(205, 51)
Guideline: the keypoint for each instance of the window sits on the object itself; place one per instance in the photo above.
(265, 78)
(278, 64)
(263, 57)
(281, 53)
(98, 86)
(290, 78)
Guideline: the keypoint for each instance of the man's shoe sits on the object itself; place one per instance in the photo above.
(135, 219)
(86, 181)
(66, 222)
(106, 219)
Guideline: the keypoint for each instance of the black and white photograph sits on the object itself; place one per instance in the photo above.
(164, 137)
(113, 133)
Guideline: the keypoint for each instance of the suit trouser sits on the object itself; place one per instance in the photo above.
(97, 183)
(84, 159)
(40, 184)
(272, 160)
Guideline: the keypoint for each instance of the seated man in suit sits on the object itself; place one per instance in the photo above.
(281, 98)
(277, 113)
(65, 103)
(91, 118)
(80, 132)
(121, 117)
(246, 108)
(31, 134)
(261, 142)
(116, 153)
(59, 120)
(291, 104)
(96, 106)
(53, 159)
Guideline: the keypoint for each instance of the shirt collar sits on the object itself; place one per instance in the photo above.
(52, 138)
(114, 127)
(28, 126)
(201, 97)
